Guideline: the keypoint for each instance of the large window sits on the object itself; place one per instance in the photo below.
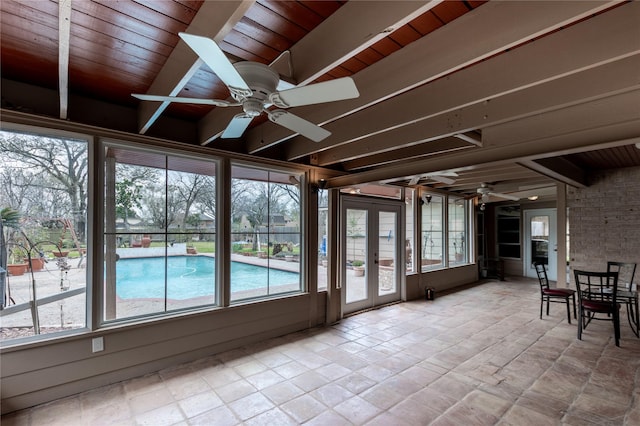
(44, 184)
(323, 238)
(432, 238)
(160, 233)
(265, 232)
(457, 232)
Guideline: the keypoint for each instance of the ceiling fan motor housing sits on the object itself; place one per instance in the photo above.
(262, 81)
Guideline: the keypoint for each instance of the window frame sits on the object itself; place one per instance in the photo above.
(302, 177)
(100, 229)
(90, 270)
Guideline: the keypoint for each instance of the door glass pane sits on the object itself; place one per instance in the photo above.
(356, 251)
(387, 226)
(409, 245)
(540, 239)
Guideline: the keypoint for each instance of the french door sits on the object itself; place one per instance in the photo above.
(540, 242)
(371, 253)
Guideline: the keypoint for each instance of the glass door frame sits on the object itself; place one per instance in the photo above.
(552, 250)
(373, 207)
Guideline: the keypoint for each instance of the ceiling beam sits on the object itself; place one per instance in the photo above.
(417, 151)
(64, 34)
(551, 95)
(604, 123)
(351, 29)
(425, 60)
(559, 169)
(215, 19)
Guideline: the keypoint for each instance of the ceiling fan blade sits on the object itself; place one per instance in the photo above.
(236, 126)
(326, 91)
(209, 51)
(445, 180)
(298, 125)
(182, 100)
(505, 196)
(414, 180)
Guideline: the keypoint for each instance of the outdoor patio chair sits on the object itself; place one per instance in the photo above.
(597, 299)
(556, 295)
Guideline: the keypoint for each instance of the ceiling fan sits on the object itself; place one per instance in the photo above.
(486, 192)
(253, 87)
(443, 177)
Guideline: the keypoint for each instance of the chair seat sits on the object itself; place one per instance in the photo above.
(597, 306)
(562, 292)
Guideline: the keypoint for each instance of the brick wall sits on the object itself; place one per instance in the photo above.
(604, 220)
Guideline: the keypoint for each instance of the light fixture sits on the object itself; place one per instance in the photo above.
(532, 197)
(322, 184)
(482, 207)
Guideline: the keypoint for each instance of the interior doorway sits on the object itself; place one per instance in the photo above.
(540, 242)
(371, 253)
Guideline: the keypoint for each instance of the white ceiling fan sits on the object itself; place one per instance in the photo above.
(486, 192)
(253, 86)
(443, 177)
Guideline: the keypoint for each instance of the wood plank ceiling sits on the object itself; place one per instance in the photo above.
(483, 89)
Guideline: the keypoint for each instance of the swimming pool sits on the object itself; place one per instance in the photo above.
(190, 276)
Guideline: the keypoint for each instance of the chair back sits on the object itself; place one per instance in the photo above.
(542, 275)
(626, 273)
(597, 286)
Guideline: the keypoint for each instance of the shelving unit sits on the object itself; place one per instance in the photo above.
(508, 232)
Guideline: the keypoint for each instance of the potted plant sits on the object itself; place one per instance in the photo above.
(37, 263)
(358, 268)
(11, 254)
(17, 264)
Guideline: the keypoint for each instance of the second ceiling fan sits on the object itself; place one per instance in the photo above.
(253, 86)
(486, 192)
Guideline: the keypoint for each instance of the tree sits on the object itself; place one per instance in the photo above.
(128, 195)
(189, 188)
(61, 165)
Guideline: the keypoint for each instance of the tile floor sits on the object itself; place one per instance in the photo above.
(477, 356)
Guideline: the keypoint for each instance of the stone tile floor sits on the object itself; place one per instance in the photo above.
(476, 356)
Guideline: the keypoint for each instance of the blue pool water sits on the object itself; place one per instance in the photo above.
(189, 276)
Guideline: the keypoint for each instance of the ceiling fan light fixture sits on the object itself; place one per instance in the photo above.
(532, 197)
(252, 108)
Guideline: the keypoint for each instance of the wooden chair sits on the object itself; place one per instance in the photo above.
(597, 299)
(556, 295)
(627, 293)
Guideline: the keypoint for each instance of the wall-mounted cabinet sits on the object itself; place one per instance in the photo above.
(508, 231)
